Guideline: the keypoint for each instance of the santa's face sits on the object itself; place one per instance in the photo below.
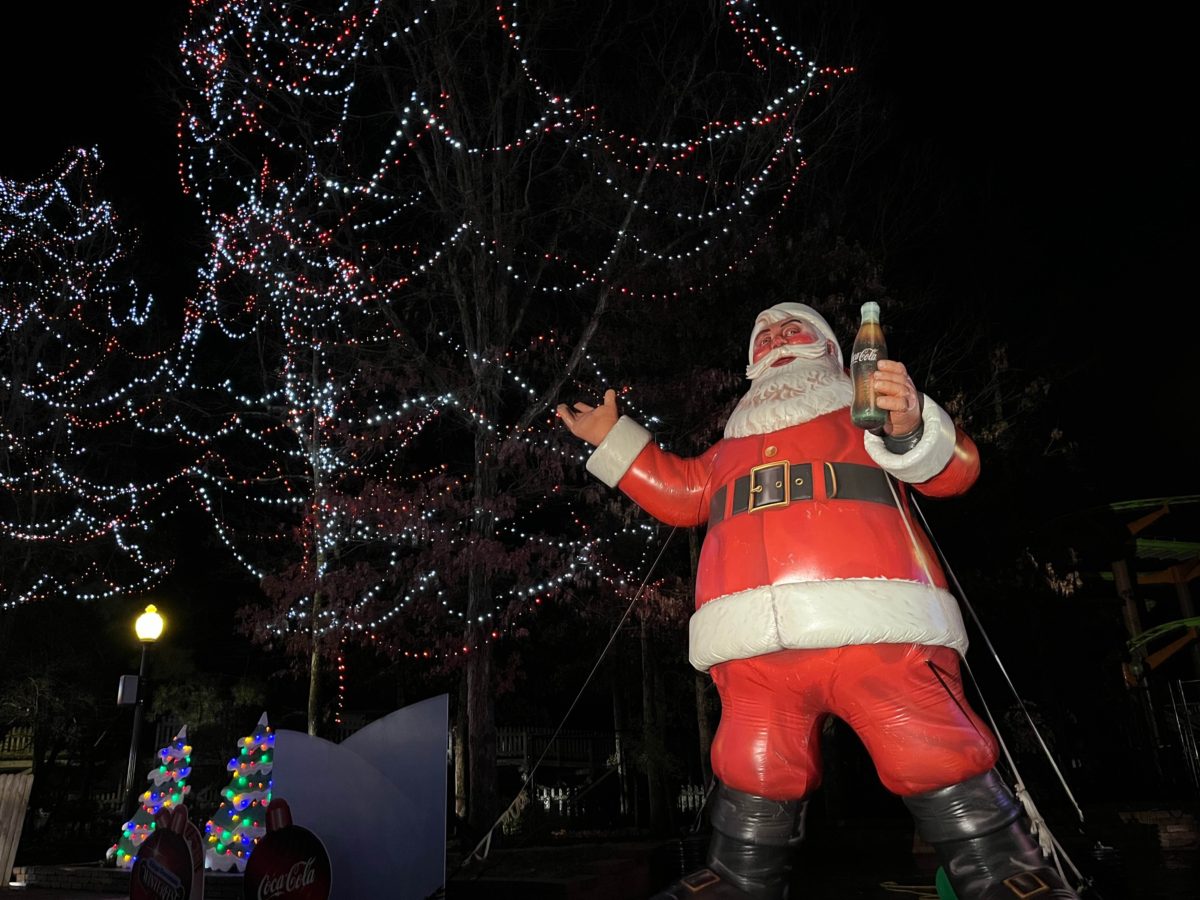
(795, 374)
(786, 333)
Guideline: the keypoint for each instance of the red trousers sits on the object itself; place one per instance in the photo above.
(905, 701)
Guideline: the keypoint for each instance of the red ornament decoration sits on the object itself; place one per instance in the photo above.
(163, 867)
(289, 863)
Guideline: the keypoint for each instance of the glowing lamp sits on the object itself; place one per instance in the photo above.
(149, 625)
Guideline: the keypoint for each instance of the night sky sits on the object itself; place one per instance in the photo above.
(1063, 137)
(1056, 145)
(1058, 141)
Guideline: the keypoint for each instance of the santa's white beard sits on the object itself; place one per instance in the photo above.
(790, 394)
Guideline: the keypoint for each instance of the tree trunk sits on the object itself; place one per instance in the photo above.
(460, 752)
(481, 752)
(314, 670)
(315, 468)
(704, 730)
(652, 738)
(314, 681)
(666, 806)
(481, 714)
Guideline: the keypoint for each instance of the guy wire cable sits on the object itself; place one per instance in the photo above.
(1040, 829)
(484, 846)
(962, 594)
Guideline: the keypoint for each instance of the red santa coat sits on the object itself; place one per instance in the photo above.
(821, 569)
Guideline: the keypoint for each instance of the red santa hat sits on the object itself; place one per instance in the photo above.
(781, 312)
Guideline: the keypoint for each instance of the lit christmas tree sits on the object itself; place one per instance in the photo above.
(241, 819)
(168, 787)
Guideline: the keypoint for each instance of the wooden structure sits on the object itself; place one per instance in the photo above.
(14, 797)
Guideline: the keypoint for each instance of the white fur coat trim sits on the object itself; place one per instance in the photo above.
(615, 454)
(817, 614)
(925, 460)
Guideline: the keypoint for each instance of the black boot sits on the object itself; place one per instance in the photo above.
(983, 843)
(750, 853)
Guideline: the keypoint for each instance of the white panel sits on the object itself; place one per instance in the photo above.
(377, 801)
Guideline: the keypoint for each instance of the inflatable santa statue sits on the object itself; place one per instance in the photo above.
(818, 595)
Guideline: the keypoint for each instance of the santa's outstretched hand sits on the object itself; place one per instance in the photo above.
(591, 423)
(895, 392)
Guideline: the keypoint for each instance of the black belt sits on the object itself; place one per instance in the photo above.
(778, 484)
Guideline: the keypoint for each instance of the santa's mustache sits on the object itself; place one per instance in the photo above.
(812, 351)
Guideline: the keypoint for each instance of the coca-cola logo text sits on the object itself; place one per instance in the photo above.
(868, 354)
(300, 875)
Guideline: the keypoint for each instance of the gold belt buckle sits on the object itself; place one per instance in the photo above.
(783, 486)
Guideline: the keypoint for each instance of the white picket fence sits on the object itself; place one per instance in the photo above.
(16, 746)
(560, 799)
(691, 798)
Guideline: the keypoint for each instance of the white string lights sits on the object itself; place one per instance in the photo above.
(80, 378)
(298, 387)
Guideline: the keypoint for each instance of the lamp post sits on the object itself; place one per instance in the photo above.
(148, 627)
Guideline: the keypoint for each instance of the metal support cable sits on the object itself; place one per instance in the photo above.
(484, 846)
(1041, 831)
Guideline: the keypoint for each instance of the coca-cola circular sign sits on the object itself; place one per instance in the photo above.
(288, 864)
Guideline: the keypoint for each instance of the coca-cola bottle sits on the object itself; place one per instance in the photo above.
(869, 347)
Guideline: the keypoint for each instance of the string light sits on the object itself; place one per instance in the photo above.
(341, 686)
(276, 271)
(81, 373)
(295, 451)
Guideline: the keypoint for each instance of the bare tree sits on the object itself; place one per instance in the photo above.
(476, 191)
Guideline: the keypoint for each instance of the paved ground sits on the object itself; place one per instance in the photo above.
(1175, 880)
(836, 863)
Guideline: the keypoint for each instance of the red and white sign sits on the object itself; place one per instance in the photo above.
(195, 843)
(289, 862)
(163, 868)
